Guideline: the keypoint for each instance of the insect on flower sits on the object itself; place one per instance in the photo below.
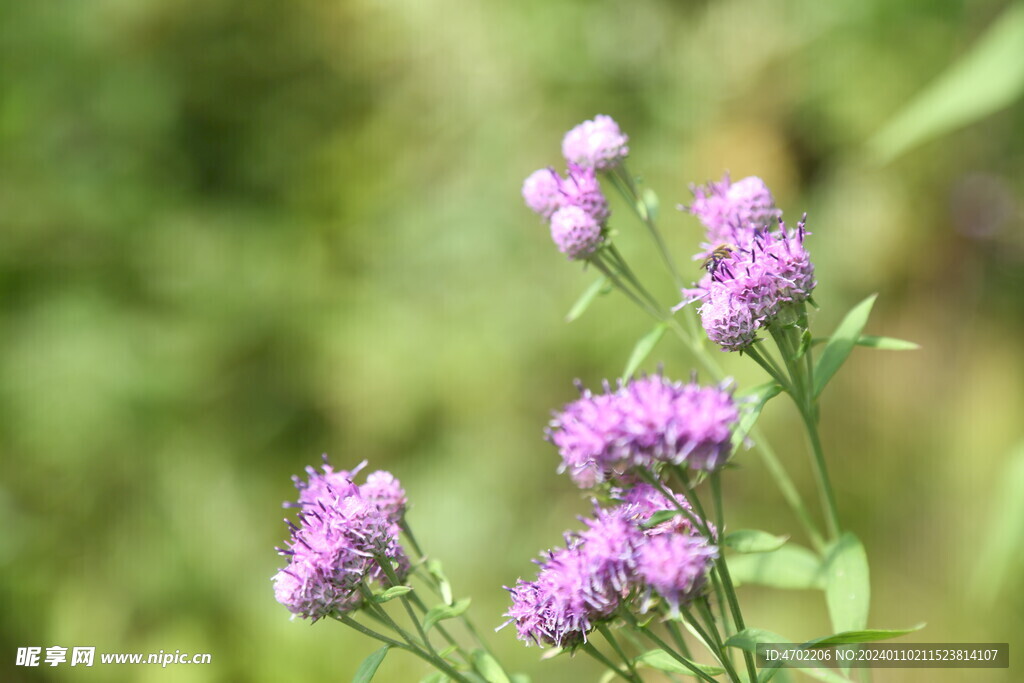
(717, 255)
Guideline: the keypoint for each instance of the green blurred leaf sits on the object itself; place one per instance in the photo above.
(985, 80)
(663, 661)
(1000, 557)
(392, 593)
(434, 677)
(747, 640)
(883, 343)
(368, 669)
(754, 541)
(751, 411)
(435, 569)
(805, 343)
(488, 667)
(863, 636)
(791, 566)
(442, 612)
(841, 343)
(847, 584)
(659, 517)
(643, 349)
(599, 287)
(650, 200)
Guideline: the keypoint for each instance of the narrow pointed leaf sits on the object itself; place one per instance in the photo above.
(985, 80)
(650, 199)
(368, 669)
(392, 593)
(869, 635)
(663, 661)
(754, 541)
(847, 584)
(597, 288)
(999, 560)
(791, 566)
(748, 639)
(488, 667)
(660, 517)
(841, 343)
(441, 612)
(643, 349)
(758, 397)
(443, 585)
(875, 342)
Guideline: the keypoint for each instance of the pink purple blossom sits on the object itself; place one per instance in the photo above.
(342, 535)
(576, 233)
(732, 211)
(542, 191)
(675, 566)
(598, 144)
(646, 420)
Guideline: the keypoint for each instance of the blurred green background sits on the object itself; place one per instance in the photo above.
(238, 234)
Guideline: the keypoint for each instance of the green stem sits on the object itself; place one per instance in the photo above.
(828, 497)
(667, 648)
(432, 659)
(596, 654)
(610, 637)
(629, 191)
(677, 637)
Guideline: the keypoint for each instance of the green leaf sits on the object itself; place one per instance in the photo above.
(443, 585)
(368, 668)
(805, 343)
(863, 636)
(441, 612)
(759, 396)
(392, 593)
(434, 677)
(842, 343)
(643, 349)
(791, 566)
(754, 541)
(999, 559)
(599, 287)
(488, 667)
(660, 517)
(520, 678)
(650, 200)
(987, 79)
(847, 584)
(886, 343)
(663, 661)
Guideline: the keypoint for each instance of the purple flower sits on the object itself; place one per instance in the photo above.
(643, 421)
(580, 188)
(728, 319)
(732, 211)
(542, 191)
(339, 541)
(576, 233)
(675, 566)
(597, 144)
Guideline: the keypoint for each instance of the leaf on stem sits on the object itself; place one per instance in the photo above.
(368, 669)
(392, 593)
(488, 667)
(660, 517)
(599, 287)
(875, 342)
(747, 640)
(643, 349)
(791, 567)
(758, 397)
(869, 635)
(754, 541)
(998, 562)
(841, 343)
(443, 585)
(847, 584)
(442, 612)
(650, 202)
(663, 661)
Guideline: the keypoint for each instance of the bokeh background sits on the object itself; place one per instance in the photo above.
(237, 234)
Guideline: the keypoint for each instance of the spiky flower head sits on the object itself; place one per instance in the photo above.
(732, 211)
(598, 144)
(542, 191)
(639, 423)
(339, 543)
(576, 233)
(675, 566)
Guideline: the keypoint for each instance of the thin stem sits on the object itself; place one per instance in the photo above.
(677, 637)
(828, 497)
(599, 263)
(366, 631)
(769, 366)
(430, 658)
(610, 637)
(716, 494)
(632, 196)
(668, 649)
(596, 654)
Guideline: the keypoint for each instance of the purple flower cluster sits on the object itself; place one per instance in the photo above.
(575, 206)
(343, 528)
(639, 423)
(597, 571)
(756, 266)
